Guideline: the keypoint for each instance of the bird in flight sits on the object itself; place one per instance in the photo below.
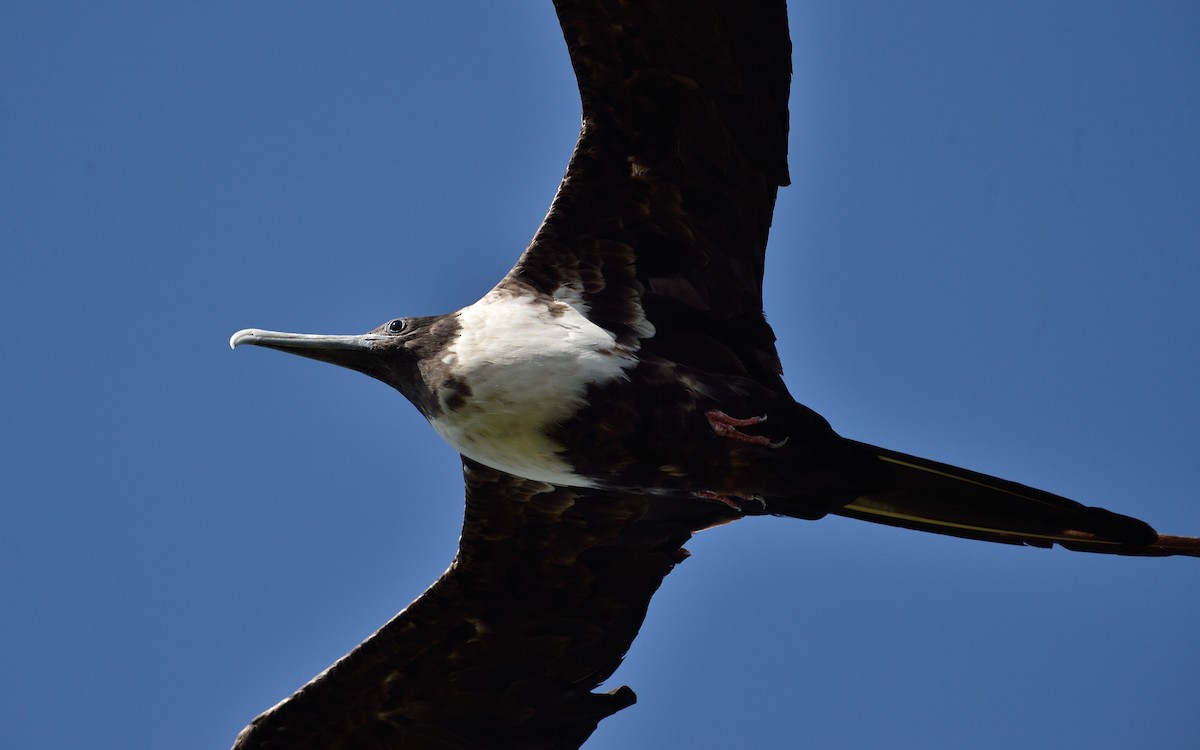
(617, 391)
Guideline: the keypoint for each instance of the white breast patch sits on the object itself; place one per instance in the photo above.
(528, 365)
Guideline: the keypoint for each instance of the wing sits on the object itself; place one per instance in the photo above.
(547, 592)
(659, 228)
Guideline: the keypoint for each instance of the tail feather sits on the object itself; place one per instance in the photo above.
(943, 499)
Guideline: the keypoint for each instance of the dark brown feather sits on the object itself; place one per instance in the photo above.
(547, 592)
(667, 201)
(929, 496)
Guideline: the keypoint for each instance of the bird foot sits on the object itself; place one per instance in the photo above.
(726, 426)
(731, 500)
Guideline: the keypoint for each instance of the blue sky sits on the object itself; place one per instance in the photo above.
(989, 256)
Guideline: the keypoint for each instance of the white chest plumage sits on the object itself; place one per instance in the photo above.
(527, 365)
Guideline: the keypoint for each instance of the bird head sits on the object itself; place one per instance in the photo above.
(391, 353)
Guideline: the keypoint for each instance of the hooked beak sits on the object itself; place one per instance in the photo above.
(357, 352)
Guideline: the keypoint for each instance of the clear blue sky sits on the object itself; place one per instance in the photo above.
(990, 256)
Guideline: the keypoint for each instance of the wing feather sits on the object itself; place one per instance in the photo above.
(660, 224)
(546, 594)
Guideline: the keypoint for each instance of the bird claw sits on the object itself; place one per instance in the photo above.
(731, 500)
(726, 426)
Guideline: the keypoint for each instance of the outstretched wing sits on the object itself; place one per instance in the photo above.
(659, 228)
(547, 592)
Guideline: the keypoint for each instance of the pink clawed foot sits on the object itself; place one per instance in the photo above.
(726, 426)
(730, 500)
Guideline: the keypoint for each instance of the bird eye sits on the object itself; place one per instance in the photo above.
(396, 326)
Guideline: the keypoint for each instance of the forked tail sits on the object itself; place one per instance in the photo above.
(943, 499)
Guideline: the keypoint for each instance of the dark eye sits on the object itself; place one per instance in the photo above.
(396, 326)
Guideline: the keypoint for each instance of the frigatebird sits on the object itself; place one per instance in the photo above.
(618, 390)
